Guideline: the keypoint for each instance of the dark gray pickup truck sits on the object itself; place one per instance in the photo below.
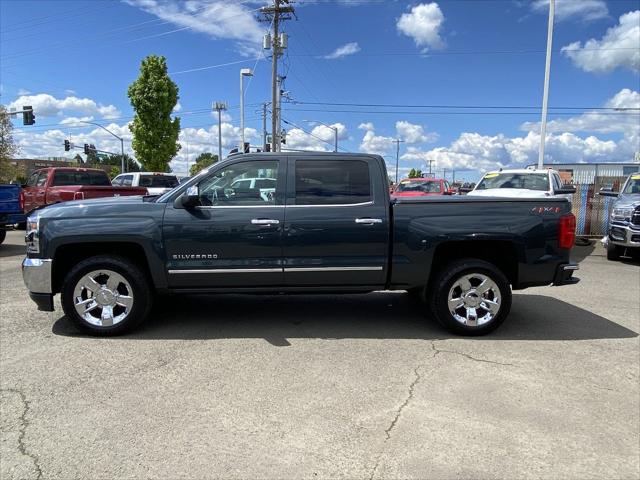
(292, 223)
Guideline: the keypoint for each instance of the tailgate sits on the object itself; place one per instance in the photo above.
(10, 199)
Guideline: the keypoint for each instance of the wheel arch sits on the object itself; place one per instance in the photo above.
(69, 254)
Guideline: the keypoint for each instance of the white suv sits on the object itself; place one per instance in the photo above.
(157, 183)
(522, 183)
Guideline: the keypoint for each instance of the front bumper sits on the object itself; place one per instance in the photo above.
(36, 273)
(623, 235)
(564, 274)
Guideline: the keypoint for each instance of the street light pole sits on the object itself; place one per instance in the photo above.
(119, 138)
(244, 72)
(220, 106)
(545, 94)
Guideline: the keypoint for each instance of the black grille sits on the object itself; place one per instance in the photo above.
(635, 218)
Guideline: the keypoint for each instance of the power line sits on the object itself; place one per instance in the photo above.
(312, 134)
(404, 105)
(413, 112)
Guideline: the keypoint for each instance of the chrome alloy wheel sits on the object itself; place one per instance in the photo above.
(474, 299)
(103, 298)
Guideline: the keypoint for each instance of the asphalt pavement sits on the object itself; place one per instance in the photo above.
(355, 386)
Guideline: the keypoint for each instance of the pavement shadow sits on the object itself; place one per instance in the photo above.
(376, 315)
(9, 250)
(579, 253)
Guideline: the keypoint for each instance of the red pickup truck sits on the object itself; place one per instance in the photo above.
(55, 185)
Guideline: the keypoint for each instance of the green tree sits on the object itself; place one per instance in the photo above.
(153, 96)
(78, 159)
(8, 148)
(202, 161)
(418, 174)
(412, 173)
(130, 164)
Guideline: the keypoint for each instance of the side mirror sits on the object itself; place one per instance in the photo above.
(566, 190)
(608, 192)
(189, 199)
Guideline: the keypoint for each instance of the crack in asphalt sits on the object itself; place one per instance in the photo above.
(466, 355)
(24, 423)
(410, 395)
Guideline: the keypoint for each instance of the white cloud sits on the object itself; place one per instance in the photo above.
(587, 10)
(378, 144)
(343, 51)
(366, 126)
(620, 47)
(219, 19)
(23, 91)
(195, 141)
(473, 151)
(412, 133)
(45, 105)
(322, 138)
(423, 25)
(75, 120)
(177, 107)
(598, 121)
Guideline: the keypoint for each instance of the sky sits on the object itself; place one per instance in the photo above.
(458, 81)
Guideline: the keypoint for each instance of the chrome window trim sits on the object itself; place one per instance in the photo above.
(370, 202)
(211, 207)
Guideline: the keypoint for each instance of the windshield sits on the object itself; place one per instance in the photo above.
(421, 187)
(633, 185)
(528, 181)
(158, 181)
(63, 178)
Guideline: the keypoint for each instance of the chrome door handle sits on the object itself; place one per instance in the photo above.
(264, 221)
(368, 221)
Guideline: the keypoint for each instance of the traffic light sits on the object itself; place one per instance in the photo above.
(283, 137)
(67, 145)
(86, 149)
(28, 118)
(246, 147)
(93, 148)
(267, 147)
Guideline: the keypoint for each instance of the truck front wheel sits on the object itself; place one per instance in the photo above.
(106, 295)
(470, 297)
(614, 251)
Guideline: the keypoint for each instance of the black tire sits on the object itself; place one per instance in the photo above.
(140, 286)
(21, 226)
(452, 273)
(613, 251)
(3, 234)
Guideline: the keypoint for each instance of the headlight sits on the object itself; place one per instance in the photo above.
(32, 237)
(622, 213)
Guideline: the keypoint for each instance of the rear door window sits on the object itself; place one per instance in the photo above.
(63, 178)
(158, 181)
(332, 182)
(127, 180)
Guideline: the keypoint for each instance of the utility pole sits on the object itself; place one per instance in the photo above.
(264, 126)
(279, 11)
(545, 94)
(397, 141)
(219, 107)
(430, 162)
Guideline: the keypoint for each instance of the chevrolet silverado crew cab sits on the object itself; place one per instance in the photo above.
(328, 226)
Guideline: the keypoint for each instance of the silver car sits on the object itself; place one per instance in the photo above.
(624, 225)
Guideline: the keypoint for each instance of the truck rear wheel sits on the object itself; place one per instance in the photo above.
(106, 295)
(470, 297)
